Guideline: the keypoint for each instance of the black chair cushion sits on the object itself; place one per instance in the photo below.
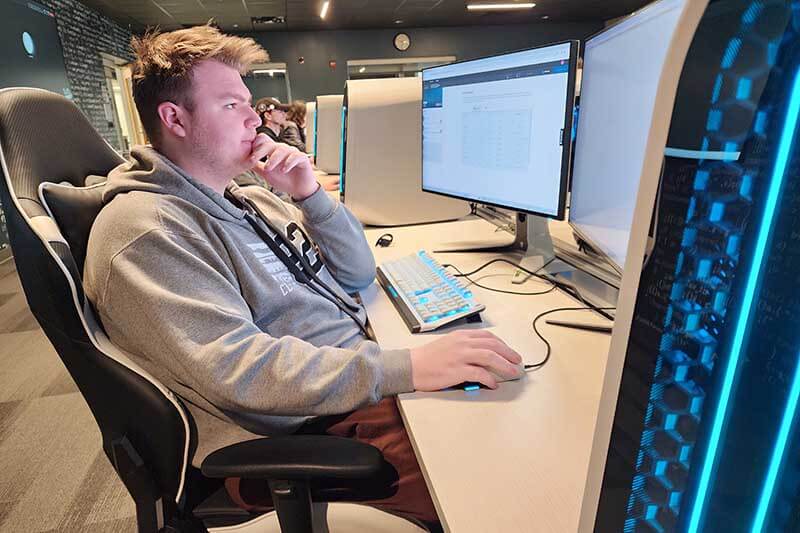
(74, 209)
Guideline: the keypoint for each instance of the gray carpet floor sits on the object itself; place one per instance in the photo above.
(54, 476)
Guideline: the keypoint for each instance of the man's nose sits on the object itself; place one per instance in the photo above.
(252, 118)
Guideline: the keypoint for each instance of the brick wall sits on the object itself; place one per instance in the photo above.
(84, 34)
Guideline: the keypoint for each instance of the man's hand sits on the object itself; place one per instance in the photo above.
(466, 355)
(329, 183)
(286, 169)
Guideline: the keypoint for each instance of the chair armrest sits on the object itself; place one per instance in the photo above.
(295, 457)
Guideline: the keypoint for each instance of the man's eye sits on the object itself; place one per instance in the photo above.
(230, 106)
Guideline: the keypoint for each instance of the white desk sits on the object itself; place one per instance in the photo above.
(514, 459)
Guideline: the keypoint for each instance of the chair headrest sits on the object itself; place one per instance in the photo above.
(45, 137)
(74, 210)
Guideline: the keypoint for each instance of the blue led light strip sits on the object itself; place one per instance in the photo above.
(777, 453)
(778, 175)
(342, 142)
(315, 131)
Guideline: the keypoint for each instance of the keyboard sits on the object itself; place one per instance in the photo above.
(424, 293)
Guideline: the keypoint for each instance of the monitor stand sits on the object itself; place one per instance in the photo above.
(530, 242)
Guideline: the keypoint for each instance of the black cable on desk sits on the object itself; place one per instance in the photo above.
(540, 364)
(501, 260)
(504, 260)
(461, 275)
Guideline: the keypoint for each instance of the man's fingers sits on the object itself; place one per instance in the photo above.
(292, 161)
(479, 334)
(262, 146)
(494, 362)
(498, 346)
(481, 375)
(276, 158)
(478, 338)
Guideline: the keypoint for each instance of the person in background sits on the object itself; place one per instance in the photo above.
(275, 124)
(273, 115)
(297, 115)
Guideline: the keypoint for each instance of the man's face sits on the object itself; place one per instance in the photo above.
(222, 124)
(278, 116)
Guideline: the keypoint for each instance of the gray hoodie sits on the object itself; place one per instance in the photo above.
(181, 281)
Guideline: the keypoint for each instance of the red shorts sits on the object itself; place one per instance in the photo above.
(379, 425)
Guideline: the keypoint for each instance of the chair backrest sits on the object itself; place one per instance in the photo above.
(45, 139)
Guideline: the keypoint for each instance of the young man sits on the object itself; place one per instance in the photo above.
(276, 124)
(239, 303)
(273, 115)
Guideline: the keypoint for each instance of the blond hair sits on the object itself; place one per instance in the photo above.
(162, 70)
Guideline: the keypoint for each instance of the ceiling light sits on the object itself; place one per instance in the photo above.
(324, 10)
(398, 21)
(545, 17)
(480, 7)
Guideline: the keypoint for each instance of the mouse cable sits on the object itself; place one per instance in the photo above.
(540, 364)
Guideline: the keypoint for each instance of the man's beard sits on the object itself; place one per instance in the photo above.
(211, 158)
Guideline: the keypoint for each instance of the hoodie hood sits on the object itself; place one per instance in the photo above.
(149, 171)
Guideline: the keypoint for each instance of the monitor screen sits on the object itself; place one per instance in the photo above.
(621, 71)
(497, 130)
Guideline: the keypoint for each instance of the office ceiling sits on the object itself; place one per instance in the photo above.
(296, 15)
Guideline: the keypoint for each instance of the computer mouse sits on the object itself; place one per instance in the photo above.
(475, 385)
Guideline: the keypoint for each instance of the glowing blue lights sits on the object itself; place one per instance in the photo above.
(342, 145)
(731, 52)
(315, 132)
(778, 452)
(778, 175)
(744, 88)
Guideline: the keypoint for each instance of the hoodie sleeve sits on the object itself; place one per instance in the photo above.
(341, 240)
(173, 300)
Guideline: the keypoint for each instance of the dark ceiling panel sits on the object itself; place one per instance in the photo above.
(233, 15)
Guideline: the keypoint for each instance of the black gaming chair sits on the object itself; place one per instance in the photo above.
(147, 433)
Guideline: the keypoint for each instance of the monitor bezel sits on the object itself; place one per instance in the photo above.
(566, 153)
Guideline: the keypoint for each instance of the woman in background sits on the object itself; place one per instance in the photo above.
(297, 115)
(291, 132)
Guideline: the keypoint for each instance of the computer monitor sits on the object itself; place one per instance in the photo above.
(311, 126)
(622, 69)
(496, 130)
(328, 139)
(380, 171)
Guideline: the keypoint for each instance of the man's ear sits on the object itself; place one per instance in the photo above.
(173, 118)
